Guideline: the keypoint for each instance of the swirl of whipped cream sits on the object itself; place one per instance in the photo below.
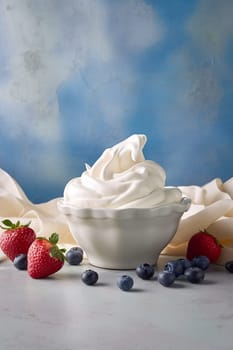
(121, 178)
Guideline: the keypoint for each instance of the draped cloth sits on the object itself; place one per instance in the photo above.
(211, 209)
(45, 217)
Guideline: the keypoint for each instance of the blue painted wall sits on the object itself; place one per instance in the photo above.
(78, 76)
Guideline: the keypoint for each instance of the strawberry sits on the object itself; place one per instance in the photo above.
(203, 243)
(16, 239)
(45, 257)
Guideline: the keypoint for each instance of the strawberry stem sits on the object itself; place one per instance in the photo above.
(9, 225)
(55, 251)
(54, 238)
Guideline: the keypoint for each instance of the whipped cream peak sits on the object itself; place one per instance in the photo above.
(121, 178)
(119, 158)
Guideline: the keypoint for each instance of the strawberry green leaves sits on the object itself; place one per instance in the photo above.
(8, 224)
(54, 250)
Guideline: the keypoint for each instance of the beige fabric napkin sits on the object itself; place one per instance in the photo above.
(45, 218)
(211, 209)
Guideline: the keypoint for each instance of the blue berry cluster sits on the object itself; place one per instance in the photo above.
(90, 277)
(192, 270)
(125, 282)
(74, 256)
(20, 262)
(145, 271)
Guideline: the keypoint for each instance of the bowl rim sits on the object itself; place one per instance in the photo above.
(103, 213)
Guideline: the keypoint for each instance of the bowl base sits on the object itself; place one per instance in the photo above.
(122, 266)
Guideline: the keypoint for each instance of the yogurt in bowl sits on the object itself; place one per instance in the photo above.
(119, 210)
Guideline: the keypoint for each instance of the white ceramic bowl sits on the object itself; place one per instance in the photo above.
(124, 238)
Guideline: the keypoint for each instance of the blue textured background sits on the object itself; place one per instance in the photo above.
(78, 76)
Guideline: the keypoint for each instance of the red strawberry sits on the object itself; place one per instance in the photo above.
(203, 243)
(16, 239)
(44, 257)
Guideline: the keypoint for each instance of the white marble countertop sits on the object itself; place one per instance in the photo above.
(61, 312)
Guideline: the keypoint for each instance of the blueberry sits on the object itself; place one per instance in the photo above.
(174, 266)
(229, 266)
(125, 283)
(20, 262)
(145, 271)
(201, 261)
(89, 277)
(74, 256)
(185, 263)
(166, 278)
(194, 274)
